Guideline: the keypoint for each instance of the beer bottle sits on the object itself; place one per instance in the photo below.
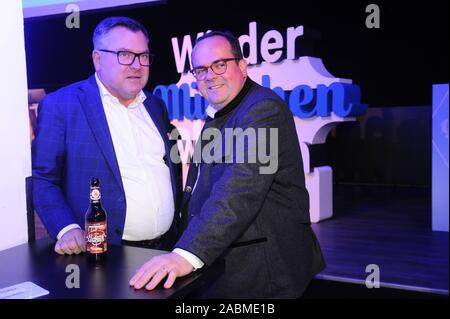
(96, 225)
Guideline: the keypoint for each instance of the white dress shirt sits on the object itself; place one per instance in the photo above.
(146, 178)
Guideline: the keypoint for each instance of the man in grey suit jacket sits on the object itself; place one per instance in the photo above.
(251, 210)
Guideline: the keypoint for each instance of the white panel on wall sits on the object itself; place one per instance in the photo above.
(15, 158)
(440, 211)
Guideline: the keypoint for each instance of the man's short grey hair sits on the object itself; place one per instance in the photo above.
(107, 24)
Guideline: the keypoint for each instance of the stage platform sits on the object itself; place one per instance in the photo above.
(385, 226)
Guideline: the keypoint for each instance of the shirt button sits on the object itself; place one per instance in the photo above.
(188, 189)
(118, 231)
(121, 199)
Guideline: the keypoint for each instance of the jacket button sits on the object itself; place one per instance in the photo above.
(121, 199)
(188, 189)
(118, 231)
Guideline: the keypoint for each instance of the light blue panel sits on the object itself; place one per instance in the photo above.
(440, 158)
(41, 3)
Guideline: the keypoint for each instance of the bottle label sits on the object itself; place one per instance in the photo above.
(96, 234)
(95, 194)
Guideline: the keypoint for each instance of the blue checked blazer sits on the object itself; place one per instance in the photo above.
(72, 145)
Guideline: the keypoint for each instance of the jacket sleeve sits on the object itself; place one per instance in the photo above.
(48, 158)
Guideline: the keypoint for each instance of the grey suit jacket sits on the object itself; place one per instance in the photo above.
(259, 223)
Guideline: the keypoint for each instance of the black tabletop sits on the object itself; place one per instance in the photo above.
(37, 262)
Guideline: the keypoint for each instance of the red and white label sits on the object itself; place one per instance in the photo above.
(96, 234)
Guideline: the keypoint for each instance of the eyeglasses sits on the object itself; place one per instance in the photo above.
(128, 57)
(218, 67)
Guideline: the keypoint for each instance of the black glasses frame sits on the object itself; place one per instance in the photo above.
(151, 56)
(194, 70)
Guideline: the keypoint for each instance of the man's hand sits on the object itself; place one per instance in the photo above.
(72, 242)
(156, 269)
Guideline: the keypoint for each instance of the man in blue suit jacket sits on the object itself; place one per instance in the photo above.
(108, 127)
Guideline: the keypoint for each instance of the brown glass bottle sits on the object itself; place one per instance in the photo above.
(96, 225)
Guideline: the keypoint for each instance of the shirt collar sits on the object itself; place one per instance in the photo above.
(104, 93)
(213, 112)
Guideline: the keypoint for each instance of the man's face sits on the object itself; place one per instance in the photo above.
(219, 90)
(122, 81)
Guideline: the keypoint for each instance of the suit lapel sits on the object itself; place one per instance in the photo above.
(163, 131)
(193, 171)
(96, 118)
(156, 117)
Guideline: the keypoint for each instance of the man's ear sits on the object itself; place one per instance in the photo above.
(96, 59)
(243, 67)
